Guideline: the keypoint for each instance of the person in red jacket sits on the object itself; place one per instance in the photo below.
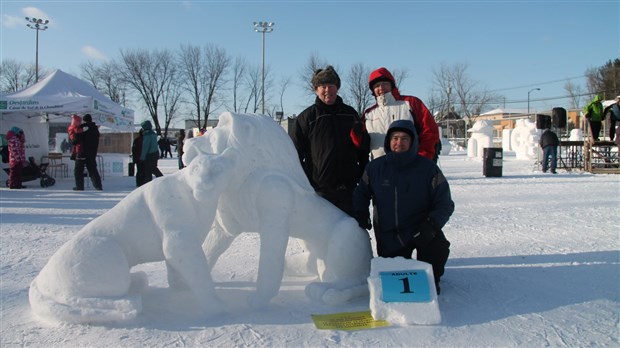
(17, 156)
(392, 106)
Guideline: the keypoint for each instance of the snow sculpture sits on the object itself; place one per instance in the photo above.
(481, 137)
(576, 134)
(446, 147)
(506, 135)
(88, 279)
(270, 194)
(524, 140)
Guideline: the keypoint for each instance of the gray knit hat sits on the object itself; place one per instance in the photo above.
(325, 76)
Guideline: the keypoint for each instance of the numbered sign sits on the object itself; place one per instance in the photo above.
(405, 286)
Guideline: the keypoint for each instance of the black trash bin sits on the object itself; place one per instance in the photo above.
(131, 169)
(492, 161)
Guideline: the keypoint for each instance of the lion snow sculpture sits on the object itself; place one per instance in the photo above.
(271, 195)
(88, 279)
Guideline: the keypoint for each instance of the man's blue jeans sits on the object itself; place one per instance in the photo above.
(550, 153)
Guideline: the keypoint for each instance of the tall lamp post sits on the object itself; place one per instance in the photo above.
(528, 99)
(263, 27)
(37, 24)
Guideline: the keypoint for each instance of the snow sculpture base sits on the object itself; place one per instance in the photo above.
(405, 313)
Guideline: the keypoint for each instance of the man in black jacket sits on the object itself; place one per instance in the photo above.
(331, 141)
(549, 143)
(87, 156)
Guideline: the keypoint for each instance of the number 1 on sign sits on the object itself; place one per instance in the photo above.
(413, 287)
(406, 289)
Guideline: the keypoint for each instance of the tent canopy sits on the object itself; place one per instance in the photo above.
(59, 95)
(54, 99)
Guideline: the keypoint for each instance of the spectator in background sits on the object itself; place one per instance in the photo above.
(411, 201)
(73, 130)
(162, 147)
(331, 142)
(149, 153)
(549, 142)
(180, 142)
(612, 113)
(88, 143)
(17, 156)
(392, 106)
(594, 114)
(136, 151)
(167, 148)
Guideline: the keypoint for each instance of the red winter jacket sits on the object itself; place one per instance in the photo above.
(17, 147)
(424, 122)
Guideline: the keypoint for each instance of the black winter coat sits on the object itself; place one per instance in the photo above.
(89, 140)
(332, 145)
(549, 138)
(406, 189)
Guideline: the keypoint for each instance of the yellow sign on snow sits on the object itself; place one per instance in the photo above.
(347, 321)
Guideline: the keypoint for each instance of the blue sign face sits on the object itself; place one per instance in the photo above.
(405, 286)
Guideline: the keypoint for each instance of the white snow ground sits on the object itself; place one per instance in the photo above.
(535, 262)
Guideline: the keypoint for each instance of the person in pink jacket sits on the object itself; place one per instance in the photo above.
(73, 130)
(392, 106)
(17, 156)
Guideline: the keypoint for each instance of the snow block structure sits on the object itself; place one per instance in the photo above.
(412, 301)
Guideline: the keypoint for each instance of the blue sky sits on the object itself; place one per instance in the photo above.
(510, 46)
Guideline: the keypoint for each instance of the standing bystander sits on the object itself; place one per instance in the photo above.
(149, 153)
(180, 143)
(331, 141)
(549, 142)
(594, 114)
(392, 106)
(88, 144)
(17, 156)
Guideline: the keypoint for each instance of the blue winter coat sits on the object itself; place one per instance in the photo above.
(405, 188)
(149, 140)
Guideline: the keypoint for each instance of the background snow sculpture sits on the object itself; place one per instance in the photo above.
(88, 279)
(506, 135)
(271, 195)
(446, 147)
(524, 140)
(576, 134)
(481, 137)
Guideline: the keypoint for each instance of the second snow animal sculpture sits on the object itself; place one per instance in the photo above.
(271, 195)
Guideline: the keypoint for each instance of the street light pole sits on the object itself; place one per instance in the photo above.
(263, 27)
(528, 99)
(37, 24)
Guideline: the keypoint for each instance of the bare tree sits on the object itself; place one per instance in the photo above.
(357, 90)
(171, 102)
(604, 80)
(305, 75)
(149, 73)
(215, 65)
(15, 76)
(400, 75)
(285, 81)
(106, 79)
(238, 70)
(575, 92)
(191, 70)
(253, 81)
(458, 93)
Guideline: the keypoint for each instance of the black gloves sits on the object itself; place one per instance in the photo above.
(363, 220)
(424, 233)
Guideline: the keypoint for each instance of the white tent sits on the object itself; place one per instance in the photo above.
(55, 98)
